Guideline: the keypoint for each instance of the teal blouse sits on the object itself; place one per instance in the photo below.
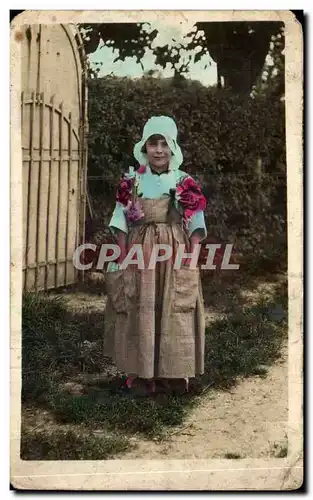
(153, 185)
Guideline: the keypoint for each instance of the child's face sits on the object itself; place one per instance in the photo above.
(158, 152)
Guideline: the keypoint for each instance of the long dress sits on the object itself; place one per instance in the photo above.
(156, 316)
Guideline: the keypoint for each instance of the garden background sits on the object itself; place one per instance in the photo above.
(232, 135)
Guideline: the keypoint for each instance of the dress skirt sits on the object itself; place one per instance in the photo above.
(155, 317)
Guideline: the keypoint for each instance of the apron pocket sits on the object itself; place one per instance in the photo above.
(186, 288)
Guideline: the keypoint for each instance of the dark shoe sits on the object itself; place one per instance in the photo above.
(127, 383)
(180, 386)
(163, 386)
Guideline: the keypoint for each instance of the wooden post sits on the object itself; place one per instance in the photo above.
(24, 214)
(51, 148)
(31, 161)
(69, 170)
(83, 167)
(56, 281)
(39, 41)
(41, 105)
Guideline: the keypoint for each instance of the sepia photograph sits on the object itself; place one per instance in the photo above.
(157, 223)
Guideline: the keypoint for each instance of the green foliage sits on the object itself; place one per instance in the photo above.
(238, 48)
(272, 80)
(222, 137)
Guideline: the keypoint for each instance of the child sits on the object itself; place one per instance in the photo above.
(157, 315)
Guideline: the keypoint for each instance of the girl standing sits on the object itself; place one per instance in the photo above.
(157, 314)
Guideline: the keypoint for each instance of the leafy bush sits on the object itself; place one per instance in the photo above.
(222, 137)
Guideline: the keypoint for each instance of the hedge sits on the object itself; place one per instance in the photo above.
(223, 138)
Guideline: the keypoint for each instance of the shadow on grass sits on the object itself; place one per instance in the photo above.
(70, 445)
(94, 284)
(58, 346)
(228, 291)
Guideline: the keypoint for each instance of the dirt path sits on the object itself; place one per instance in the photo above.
(249, 421)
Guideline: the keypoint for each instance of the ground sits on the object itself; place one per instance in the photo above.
(249, 420)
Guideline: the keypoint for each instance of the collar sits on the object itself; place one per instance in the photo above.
(154, 172)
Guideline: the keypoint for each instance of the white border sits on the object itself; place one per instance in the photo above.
(173, 474)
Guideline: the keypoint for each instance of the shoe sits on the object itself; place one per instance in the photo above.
(127, 383)
(181, 386)
(163, 386)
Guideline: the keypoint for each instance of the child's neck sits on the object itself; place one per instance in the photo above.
(159, 170)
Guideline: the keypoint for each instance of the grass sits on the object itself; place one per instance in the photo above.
(128, 415)
(70, 445)
(54, 351)
(54, 345)
(279, 450)
(243, 344)
(231, 456)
